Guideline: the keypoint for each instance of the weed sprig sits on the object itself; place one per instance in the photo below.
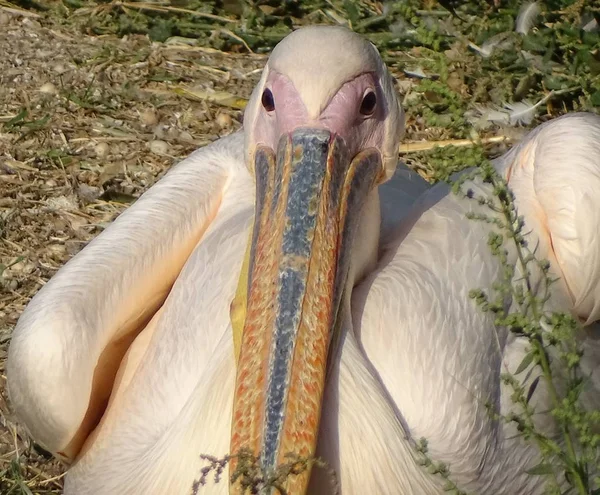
(253, 478)
(554, 349)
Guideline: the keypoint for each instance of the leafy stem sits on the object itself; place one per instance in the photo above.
(527, 281)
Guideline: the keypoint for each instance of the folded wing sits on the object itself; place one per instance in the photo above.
(69, 342)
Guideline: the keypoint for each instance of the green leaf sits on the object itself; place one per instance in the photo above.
(161, 30)
(527, 360)
(524, 85)
(535, 43)
(17, 119)
(541, 469)
(532, 388)
(78, 101)
(352, 10)
(25, 490)
(38, 124)
(555, 82)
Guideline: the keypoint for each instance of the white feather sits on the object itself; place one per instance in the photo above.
(520, 113)
(590, 25)
(416, 72)
(496, 42)
(402, 28)
(479, 49)
(527, 16)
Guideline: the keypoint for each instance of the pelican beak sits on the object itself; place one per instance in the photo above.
(308, 199)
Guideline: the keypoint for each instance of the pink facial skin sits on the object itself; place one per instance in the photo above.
(341, 115)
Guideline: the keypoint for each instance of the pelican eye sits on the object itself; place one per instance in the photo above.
(267, 100)
(369, 102)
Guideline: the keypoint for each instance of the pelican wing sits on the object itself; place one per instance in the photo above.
(555, 174)
(69, 342)
(438, 355)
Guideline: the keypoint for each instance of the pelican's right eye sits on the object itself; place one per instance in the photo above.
(267, 100)
(369, 102)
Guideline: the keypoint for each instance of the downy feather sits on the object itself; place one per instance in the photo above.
(513, 114)
(527, 16)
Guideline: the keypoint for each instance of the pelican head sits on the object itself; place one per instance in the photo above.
(322, 131)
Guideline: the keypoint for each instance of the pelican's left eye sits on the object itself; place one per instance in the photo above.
(369, 102)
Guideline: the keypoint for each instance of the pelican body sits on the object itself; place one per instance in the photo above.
(288, 291)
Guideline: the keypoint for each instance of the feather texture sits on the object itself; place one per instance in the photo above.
(500, 41)
(527, 17)
(513, 114)
(416, 72)
(590, 24)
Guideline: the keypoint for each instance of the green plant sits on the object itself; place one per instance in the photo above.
(554, 349)
(254, 479)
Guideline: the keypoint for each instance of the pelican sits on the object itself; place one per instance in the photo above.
(289, 290)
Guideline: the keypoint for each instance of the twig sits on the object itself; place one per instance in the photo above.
(167, 8)
(429, 145)
(103, 139)
(234, 36)
(219, 97)
(171, 44)
(16, 10)
(53, 479)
